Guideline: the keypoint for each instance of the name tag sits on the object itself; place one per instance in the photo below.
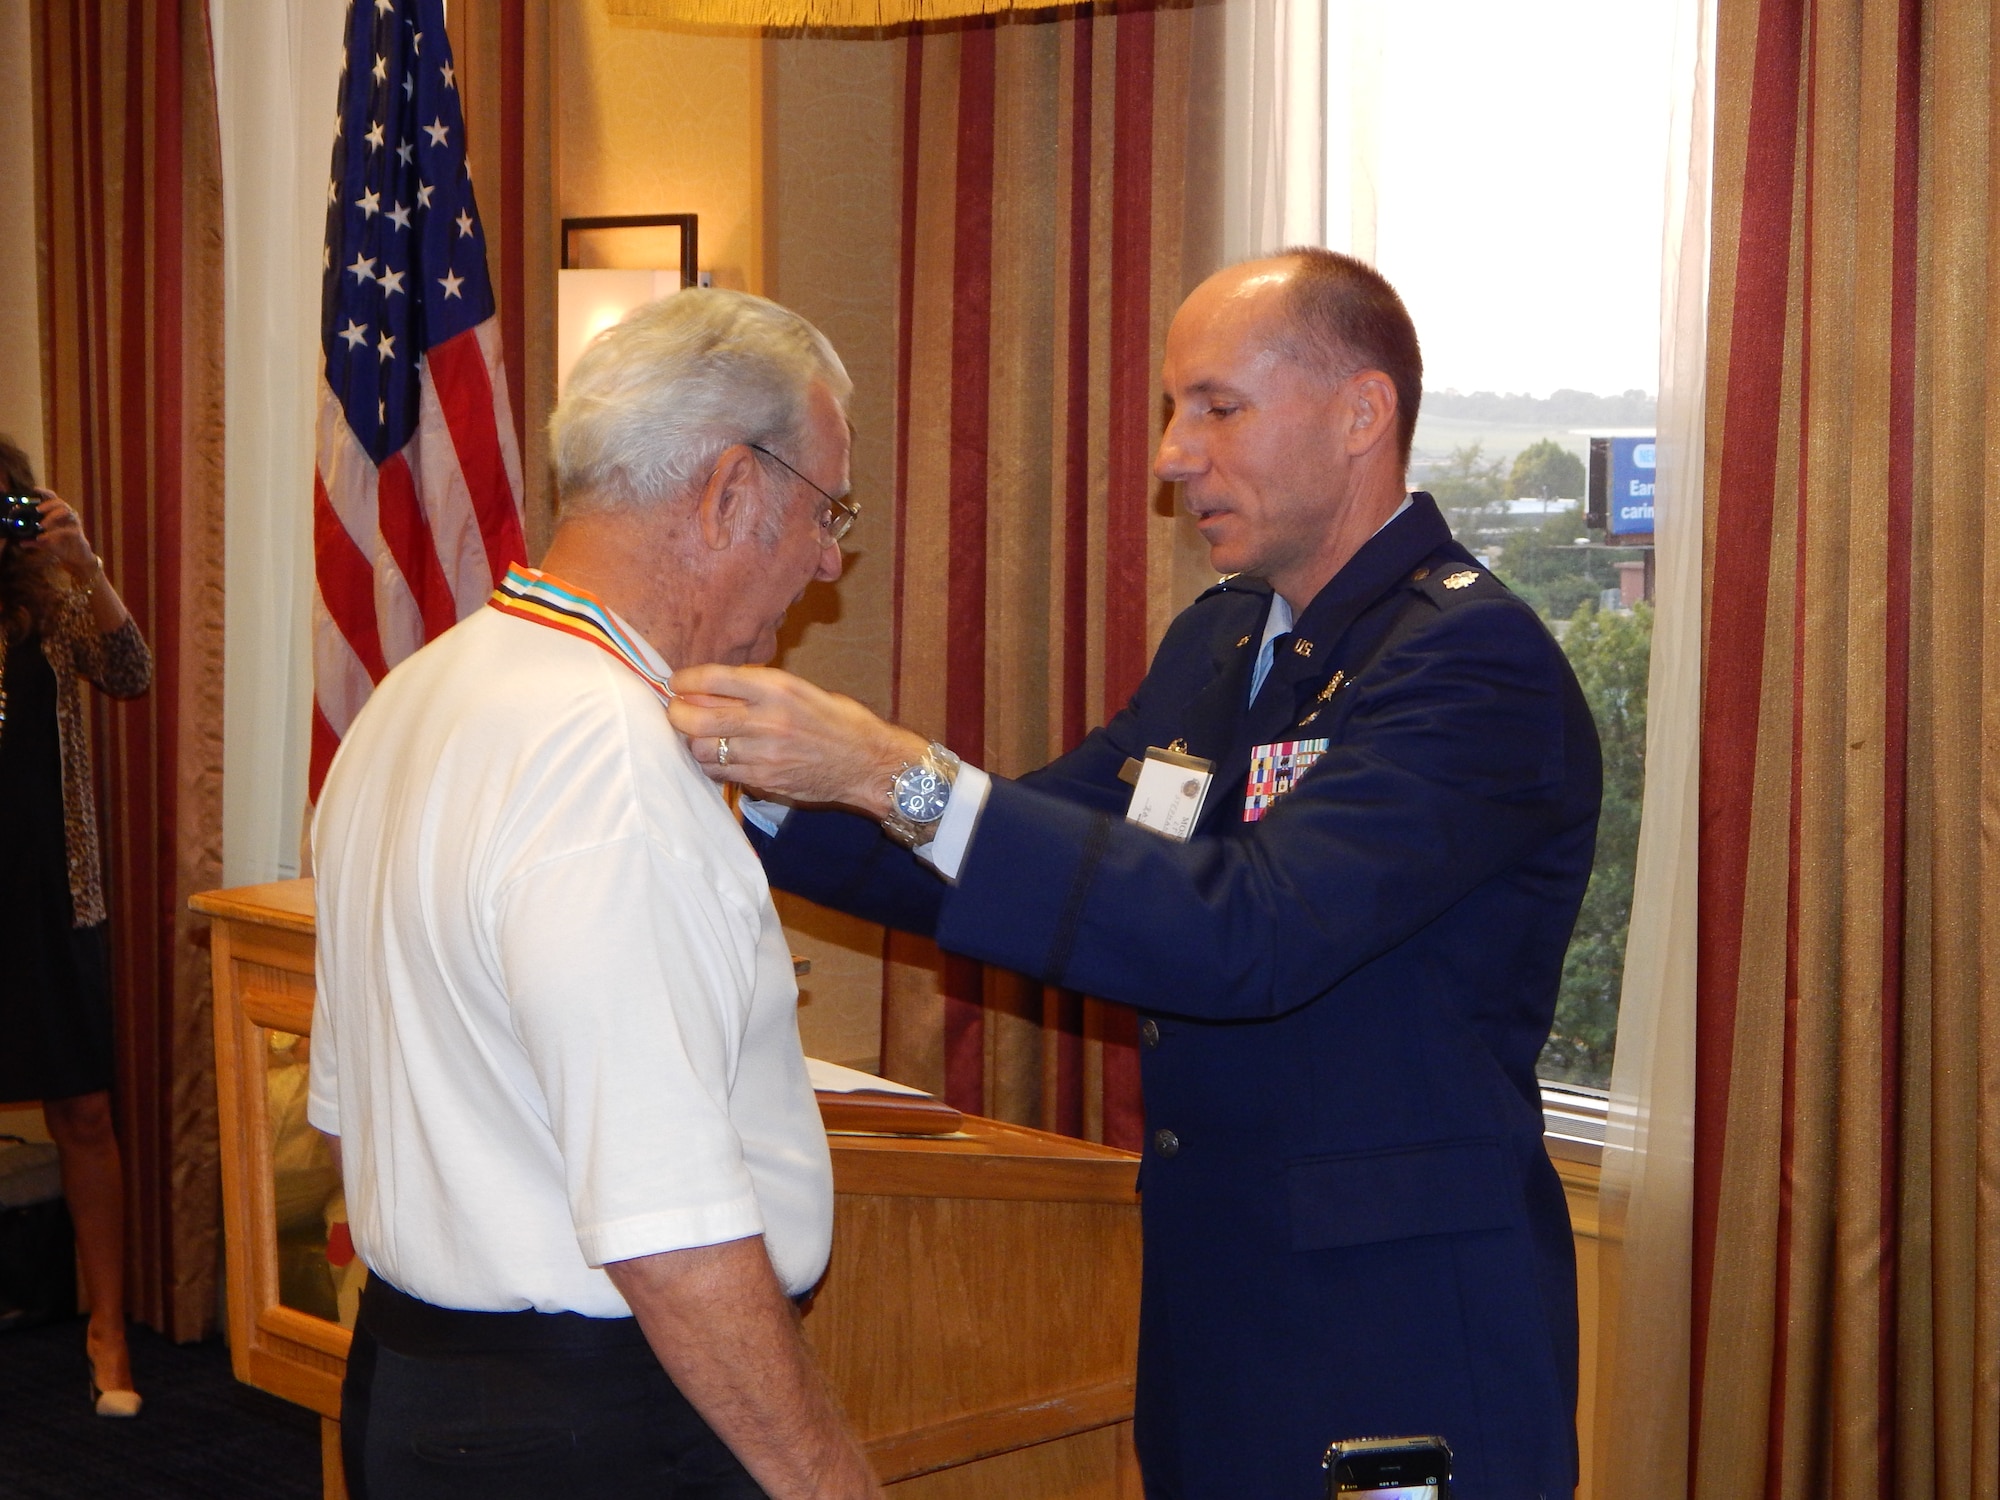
(1169, 792)
(1274, 770)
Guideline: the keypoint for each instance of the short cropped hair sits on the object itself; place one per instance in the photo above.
(1343, 317)
(655, 400)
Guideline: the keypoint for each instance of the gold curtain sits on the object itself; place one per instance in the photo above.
(129, 190)
(1846, 1296)
(1057, 205)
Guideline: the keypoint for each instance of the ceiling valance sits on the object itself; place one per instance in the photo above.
(793, 15)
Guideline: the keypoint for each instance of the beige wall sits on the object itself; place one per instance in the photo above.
(652, 120)
(20, 316)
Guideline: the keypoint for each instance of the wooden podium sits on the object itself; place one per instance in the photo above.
(979, 1320)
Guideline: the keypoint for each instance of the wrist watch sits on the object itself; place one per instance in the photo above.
(918, 796)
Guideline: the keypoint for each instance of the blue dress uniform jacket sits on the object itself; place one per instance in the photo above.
(1351, 1226)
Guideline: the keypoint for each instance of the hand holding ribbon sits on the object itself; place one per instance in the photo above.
(789, 739)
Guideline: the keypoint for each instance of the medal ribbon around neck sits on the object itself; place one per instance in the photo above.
(530, 594)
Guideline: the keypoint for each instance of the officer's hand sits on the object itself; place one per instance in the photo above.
(780, 736)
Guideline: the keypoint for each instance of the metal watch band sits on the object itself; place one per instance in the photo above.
(904, 829)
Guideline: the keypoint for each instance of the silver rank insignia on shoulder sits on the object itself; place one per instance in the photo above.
(1464, 579)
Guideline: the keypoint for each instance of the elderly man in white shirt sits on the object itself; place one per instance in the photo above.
(556, 1033)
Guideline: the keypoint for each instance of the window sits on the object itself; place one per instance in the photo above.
(1505, 167)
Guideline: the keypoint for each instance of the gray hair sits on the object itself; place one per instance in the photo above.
(655, 400)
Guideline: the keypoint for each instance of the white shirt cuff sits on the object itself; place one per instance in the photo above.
(946, 852)
(769, 816)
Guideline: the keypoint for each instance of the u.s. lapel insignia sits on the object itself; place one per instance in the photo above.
(1303, 647)
(1463, 579)
(1332, 686)
(1244, 642)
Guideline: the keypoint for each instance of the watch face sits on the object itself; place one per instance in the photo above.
(921, 794)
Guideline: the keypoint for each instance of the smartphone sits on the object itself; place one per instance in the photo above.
(1403, 1468)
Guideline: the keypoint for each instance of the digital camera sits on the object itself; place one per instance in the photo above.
(20, 517)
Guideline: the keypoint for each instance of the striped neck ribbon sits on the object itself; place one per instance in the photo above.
(530, 594)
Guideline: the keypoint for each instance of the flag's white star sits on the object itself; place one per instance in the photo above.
(386, 348)
(370, 203)
(381, 68)
(363, 268)
(339, 124)
(464, 223)
(354, 333)
(404, 152)
(424, 191)
(392, 281)
(381, 411)
(451, 281)
(417, 43)
(437, 130)
(325, 257)
(449, 81)
(375, 137)
(386, 6)
(409, 84)
(400, 216)
(332, 191)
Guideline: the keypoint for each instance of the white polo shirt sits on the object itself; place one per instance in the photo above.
(557, 1024)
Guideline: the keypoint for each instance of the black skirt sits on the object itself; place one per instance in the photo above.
(55, 978)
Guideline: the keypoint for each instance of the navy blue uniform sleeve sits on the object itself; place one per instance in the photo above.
(845, 861)
(1451, 766)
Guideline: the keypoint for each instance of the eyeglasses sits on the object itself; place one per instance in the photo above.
(841, 515)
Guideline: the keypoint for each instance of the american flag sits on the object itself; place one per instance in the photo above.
(417, 489)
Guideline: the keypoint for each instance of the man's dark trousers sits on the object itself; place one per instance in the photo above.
(1352, 1227)
(493, 1406)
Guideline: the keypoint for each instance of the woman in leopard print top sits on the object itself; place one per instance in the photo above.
(61, 621)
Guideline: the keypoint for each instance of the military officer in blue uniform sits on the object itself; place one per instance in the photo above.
(1345, 968)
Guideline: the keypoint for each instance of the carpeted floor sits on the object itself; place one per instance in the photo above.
(202, 1435)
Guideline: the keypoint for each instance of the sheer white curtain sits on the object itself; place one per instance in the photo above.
(277, 67)
(1302, 100)
(1640, 1447)
(1274, 125)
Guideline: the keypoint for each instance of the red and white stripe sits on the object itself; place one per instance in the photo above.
(403, 552)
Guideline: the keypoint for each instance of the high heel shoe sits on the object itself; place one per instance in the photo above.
(114, 1403)
(110, 1403)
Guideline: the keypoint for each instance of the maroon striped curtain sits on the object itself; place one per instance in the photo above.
(1846, 1293)
(130, 237)
(1047, 239)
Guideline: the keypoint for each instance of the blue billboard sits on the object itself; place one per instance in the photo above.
(1630, 508)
